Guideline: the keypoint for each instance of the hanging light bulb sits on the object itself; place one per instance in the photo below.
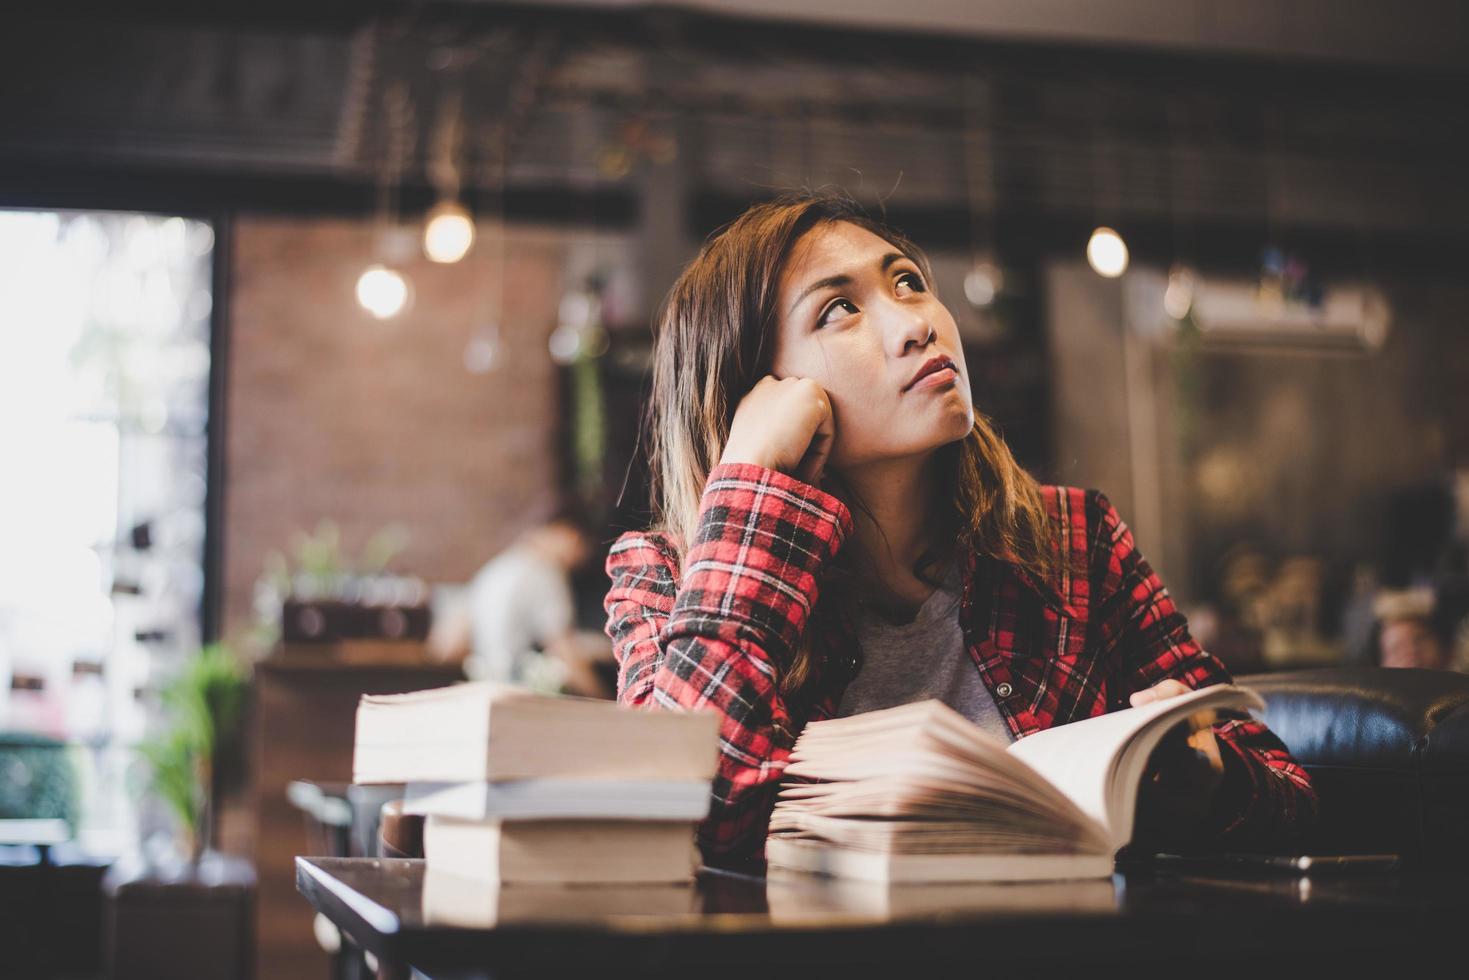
(381, 291)
(483, 350)
(982, 283)
(579, 331)
(1178, 298)
(1107, 253)
(449, 233)
(565, 345)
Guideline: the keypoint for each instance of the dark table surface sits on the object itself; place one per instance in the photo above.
(1141, 922)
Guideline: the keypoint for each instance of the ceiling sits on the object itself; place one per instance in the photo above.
(1183, 127)
(1405, 32)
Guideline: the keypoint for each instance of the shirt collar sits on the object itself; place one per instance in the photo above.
(1049, 595)
(978, 567)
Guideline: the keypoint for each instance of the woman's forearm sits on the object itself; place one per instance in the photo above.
(722, 633)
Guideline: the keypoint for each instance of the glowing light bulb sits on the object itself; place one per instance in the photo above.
(381, 291)
(1178, 298)
(982, 283)
(565, 344)
(483, 350)
(449, 233)
(1107, 253)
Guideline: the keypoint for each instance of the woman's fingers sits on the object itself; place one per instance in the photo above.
(783, 424)
(814, 461)
(1158, 692)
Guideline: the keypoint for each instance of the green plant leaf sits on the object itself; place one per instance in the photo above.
(382, 548)
(205, 704)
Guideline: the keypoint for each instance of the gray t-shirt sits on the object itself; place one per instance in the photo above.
(926, 658)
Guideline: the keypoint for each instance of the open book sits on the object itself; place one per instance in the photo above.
(920, 793)
(795, 898)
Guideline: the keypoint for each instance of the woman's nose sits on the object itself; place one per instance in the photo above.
(908, 328)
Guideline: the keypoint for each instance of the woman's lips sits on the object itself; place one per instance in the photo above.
(938, 379)
(930, 366)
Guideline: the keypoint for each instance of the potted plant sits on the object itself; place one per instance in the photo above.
(205, 704)
(191, 916)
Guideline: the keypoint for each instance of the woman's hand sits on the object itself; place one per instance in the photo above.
(1183, 774)
(782, 424)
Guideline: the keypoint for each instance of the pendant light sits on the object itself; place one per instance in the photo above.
(1106, 252)
(448, 234)
(383, 289)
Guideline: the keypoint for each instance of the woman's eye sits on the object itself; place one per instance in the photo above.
(822, 320)
(915, 281)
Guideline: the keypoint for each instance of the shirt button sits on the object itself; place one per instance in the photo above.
(1004, 690)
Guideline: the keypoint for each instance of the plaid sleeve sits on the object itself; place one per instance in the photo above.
(644, 572)
(719, 634)
(1266, 798)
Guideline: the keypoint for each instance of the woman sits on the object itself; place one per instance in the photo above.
(838, 532)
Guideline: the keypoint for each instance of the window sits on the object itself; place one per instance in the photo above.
(104, 403)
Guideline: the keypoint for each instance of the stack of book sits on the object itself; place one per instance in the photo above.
(919, 793)
(521, 787)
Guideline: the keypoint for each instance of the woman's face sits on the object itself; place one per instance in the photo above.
(856, 316)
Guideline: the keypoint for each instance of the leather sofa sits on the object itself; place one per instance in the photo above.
(1388, 751)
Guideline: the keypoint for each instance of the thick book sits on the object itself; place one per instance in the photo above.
(795, 898)
(566, 852)
(457, 901)
(486, 732)
(562, 799)
(920, 793)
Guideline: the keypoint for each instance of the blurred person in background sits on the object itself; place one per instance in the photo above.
(515, 623)
(1422, 611)
(1406, 637)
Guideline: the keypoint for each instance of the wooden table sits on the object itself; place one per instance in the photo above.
(1138, 923)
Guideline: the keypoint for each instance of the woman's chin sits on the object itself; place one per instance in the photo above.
(954, 425)
(959, 421)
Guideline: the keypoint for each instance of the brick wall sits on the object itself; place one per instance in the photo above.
(332, 414)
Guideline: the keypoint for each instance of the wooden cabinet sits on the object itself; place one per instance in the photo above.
(302, 726)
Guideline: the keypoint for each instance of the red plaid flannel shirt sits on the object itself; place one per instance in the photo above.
(716, 629)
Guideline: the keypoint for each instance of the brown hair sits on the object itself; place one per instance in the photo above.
(716, 339)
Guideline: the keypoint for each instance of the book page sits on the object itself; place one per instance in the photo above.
(551, 799)
(1084, 759)
(796, 898)
(823, 858)
(932, 740)
(924, 761)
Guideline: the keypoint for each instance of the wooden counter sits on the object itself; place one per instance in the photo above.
(305, 703)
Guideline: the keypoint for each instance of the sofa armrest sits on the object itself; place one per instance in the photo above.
(1371, 717)
(1388, 751)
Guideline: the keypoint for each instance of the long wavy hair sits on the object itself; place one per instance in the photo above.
(716, 339)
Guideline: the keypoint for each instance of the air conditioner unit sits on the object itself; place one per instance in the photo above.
(1351, 317)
